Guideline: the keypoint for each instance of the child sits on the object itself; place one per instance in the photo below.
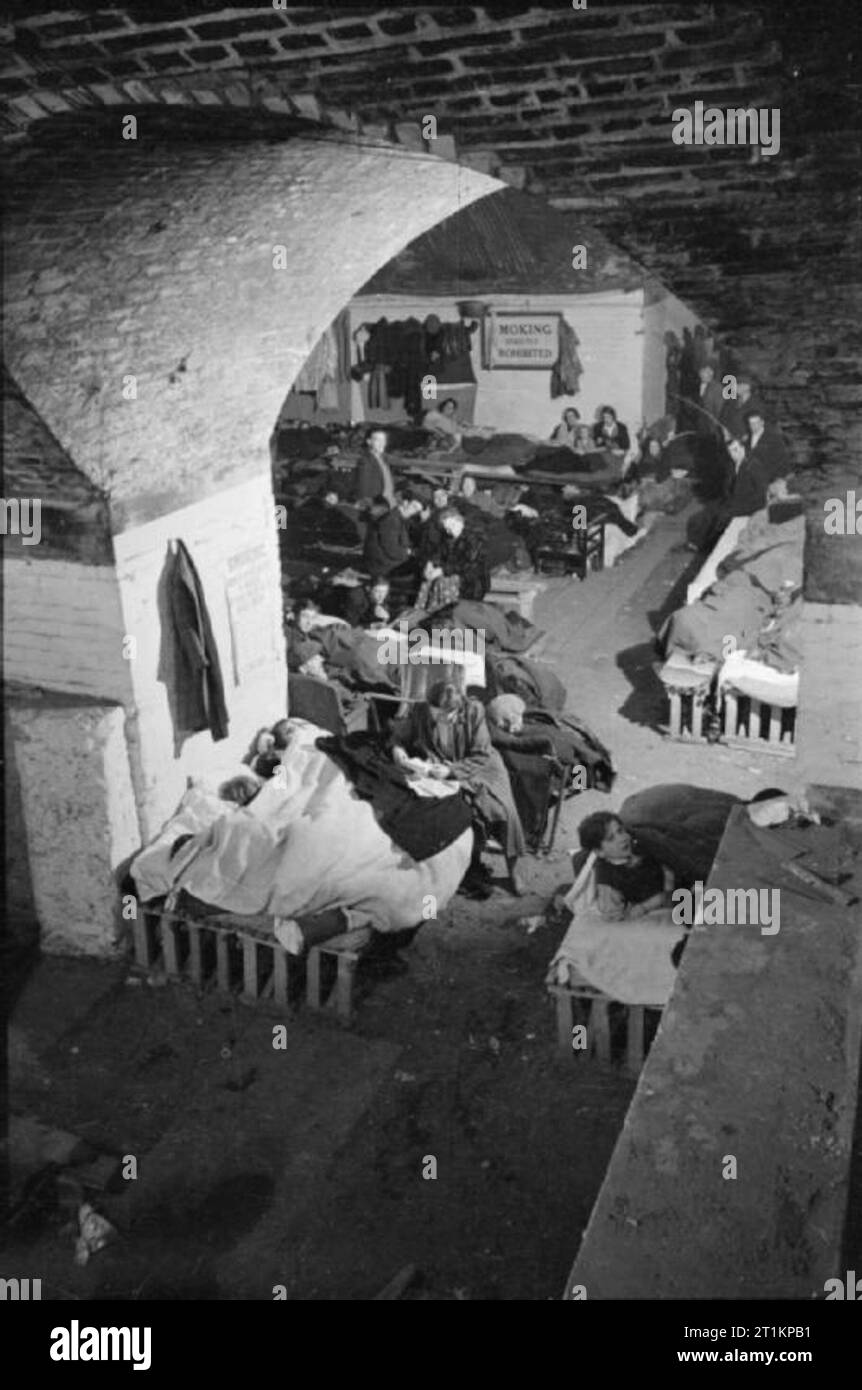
(627, 884)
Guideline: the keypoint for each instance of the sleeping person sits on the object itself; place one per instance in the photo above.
(628, 884)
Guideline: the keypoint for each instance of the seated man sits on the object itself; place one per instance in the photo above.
(387, 541)
(628, 884)
(464, 554)
(367, 606)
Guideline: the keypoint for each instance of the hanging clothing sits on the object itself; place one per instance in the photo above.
(200, 702)
(567, 369)
(321, 365)
(378, 387)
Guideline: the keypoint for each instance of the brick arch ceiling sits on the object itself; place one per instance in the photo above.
(154, 259)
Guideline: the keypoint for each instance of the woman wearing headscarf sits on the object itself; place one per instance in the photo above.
(449, 731)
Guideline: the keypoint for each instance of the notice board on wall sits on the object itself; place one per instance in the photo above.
(520, 340)
(246, 588)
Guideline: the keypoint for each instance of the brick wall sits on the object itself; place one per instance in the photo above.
(155, 260)
(573, 103)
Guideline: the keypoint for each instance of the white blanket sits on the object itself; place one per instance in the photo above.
(628, 961)
(305, 844)
(616, 540)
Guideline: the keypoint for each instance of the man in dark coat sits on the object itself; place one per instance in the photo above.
(766, 458)
(200, 702)
(372, 477)
(387, 541)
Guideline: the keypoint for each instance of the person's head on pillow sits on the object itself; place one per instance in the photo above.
(305, 614)
(507, 712)
(314, 667)
(240, 789)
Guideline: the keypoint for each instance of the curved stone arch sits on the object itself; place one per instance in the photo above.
(157, 260)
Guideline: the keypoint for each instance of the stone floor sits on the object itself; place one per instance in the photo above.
(303, 1167)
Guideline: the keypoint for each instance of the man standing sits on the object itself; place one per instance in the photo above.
(372, 476)
(766, 459)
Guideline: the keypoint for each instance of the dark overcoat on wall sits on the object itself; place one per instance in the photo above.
(200, 702)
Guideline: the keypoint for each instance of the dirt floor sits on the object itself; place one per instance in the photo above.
(303, 1167)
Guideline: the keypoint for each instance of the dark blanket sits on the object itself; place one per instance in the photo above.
(526, 755)
(421, 826)
(537, 685)
(505, 632)
(354, 655)
(574, 744)
(500, 450)
(680, 825)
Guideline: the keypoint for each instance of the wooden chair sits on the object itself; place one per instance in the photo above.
(580, 555)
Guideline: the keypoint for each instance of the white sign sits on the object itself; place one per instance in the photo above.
(525, 340)
(247, 588)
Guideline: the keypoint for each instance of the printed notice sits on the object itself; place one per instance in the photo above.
(248, 611)
(525, 340)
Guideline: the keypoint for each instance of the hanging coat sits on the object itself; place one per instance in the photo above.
(567, 370)
(200, 702)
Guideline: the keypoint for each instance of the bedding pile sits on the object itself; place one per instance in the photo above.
(306, 844)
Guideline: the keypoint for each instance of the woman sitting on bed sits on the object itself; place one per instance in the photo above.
(628, 884)
(450, 732)
(609, 433)
(440, 422)
(567, 431)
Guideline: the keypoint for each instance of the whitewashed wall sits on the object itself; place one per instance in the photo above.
(666, 314)
(82, 825)
(610, 330)
(238, 520)
(63, 628)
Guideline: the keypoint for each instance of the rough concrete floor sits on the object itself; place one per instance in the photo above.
(303, 1167)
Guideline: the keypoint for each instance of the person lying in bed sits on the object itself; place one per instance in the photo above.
(440, 422)
(302, 646)
(628, 884)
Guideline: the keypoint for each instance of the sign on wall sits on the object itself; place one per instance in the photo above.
(521, 340)
(251, 633)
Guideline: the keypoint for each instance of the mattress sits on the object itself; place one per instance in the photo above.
(753, 678)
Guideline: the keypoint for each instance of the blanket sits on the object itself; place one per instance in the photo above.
(504, 631)
(536, 683)
(306, 844)
(680, 825)
(628, 961)
(420, 825)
